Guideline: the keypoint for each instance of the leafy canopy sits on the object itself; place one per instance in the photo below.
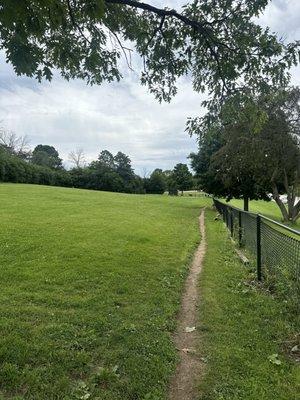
(240, 157)
(46, 156)
(183, 177)
(216, 42)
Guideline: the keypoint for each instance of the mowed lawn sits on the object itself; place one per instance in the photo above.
(249, 336)
(267, 208)
(89, 290)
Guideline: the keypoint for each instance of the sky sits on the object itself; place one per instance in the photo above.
(119, 116)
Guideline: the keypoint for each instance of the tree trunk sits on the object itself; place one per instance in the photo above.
(291, 211)
(280, 203)
(246, 203)
(296, 212)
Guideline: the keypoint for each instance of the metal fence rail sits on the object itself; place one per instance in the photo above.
(275, 247)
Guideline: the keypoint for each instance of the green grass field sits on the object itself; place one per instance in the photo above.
(90, 287)
(247, 334)
(267, 208)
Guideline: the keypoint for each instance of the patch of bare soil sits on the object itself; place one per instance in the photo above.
(190, 367)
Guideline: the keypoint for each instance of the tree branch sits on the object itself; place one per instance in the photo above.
(199, 26)
(158, 29)
(204, 28)
(74, 23)
(123, 49)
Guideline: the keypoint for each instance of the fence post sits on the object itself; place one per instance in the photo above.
(258, 246)
(240, 229)
(228, 219)
(231, 222)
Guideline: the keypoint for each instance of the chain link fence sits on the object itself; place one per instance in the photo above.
(274, 247)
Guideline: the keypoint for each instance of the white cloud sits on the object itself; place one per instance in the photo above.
(283, 16)
(121, 116)
(115, 117)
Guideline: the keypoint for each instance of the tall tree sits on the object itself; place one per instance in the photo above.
(253, 157)
(77, 158)
(171, 183)
(123, 167)
(17, 145)
(156, 183)
(233, 169)
(182, 177)
(209, 143)
(281, 150)
(46, 156)
(106, 158)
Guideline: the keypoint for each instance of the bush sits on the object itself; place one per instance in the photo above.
(14, 169)
(96, 176)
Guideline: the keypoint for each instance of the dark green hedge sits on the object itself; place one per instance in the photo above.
(14, 169)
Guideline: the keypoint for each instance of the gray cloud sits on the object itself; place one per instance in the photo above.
(121, 116)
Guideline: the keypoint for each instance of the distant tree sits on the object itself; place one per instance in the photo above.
(17, 145)
(77, 158)
(102, 178)
(137, 185)
(102, 174)
(46, 156)
(172, 186)
(145, 173)
(183, 177)
(123, 167)
(15, 169)
(156, 183)
(114, 173)
(209, 144)
(106, 158)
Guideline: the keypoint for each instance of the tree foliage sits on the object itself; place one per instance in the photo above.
(240, 157)
(217, 43)
(183, 177)
(96, 176)
(15, 169)
(46, 156)
(110, 173)
(156, 183)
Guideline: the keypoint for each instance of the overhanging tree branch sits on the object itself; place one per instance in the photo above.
(199, 26)
(158, 29)
(74, 22)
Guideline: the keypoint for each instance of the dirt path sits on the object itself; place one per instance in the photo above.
(182, 385)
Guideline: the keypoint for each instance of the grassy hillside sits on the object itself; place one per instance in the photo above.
(89, 289)
(90, 284)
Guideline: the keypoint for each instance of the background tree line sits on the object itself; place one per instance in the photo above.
(218, 43)
(109, 172)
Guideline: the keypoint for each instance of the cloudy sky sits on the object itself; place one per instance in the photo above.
(120, 116)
